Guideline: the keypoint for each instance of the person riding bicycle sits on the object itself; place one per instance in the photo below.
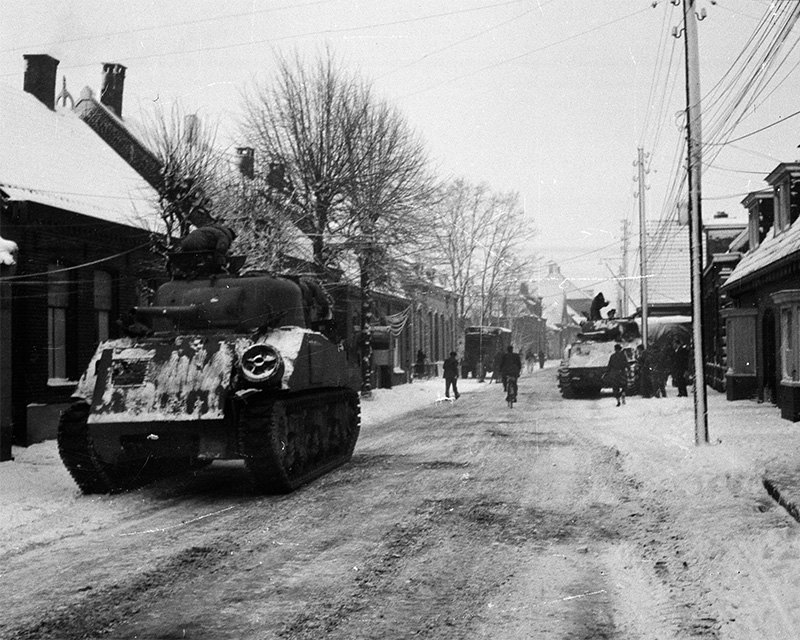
(510, 366)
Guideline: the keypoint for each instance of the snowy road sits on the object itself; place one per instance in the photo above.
(555, 519)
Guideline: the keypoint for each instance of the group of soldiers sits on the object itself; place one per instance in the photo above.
(657, 363)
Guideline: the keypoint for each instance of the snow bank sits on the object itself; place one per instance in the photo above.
(8, 252)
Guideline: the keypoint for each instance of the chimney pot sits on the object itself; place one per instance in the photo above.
(40, 77)
(113, 86)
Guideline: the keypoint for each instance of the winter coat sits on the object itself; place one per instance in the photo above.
(617, 374)
(450, 367)
(510, 364)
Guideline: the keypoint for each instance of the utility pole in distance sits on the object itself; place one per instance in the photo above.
(624, 269)
(694, 168)
(642, 245)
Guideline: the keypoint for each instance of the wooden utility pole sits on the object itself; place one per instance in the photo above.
(694, 168)
(624, 275)
(642, 245)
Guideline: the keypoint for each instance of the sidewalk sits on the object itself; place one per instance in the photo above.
(750, 449)
(782, 482)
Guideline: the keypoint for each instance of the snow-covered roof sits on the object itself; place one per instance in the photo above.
(771, 250)
(54, 158)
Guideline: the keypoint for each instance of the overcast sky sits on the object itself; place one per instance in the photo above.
(549, 98)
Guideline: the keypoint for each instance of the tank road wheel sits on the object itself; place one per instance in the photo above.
(287, 442)
(564, 383)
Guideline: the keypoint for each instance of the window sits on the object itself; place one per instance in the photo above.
(794, 199)
(788, 368)
(57, 306)
(787, 202)
(780, 199)
(766, 215)
(103, 299)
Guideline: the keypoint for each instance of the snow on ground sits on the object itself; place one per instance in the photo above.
(36, 484)
(655, 438)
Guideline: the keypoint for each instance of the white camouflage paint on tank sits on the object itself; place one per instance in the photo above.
(186, 380)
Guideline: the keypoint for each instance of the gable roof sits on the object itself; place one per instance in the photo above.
(772, 250)
(55, 159)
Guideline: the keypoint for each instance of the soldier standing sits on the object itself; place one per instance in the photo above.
(450, 367)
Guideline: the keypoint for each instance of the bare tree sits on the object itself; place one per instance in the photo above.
(481, 240)
(189, 171)
(387, 198)
(264, 232)
(352, 174)
(302, 124)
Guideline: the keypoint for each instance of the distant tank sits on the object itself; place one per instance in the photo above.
(585, 362)
(223, 367)
(581, 373)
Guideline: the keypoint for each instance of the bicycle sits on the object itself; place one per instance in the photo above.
(511, 391)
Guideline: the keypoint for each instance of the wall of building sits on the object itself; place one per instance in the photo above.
(49, 238)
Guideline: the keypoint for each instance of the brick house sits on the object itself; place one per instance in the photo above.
(81, 217)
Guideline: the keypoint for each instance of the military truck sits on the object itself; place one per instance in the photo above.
(481, 345)
(221, 366)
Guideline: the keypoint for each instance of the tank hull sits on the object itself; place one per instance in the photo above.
(583, 372)
(147, 407)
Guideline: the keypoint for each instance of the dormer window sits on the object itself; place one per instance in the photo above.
(785, 181)
(783, 200)
(761, 216)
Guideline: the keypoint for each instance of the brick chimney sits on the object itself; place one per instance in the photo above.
(245, 160)
(112, 87)
(40, 77)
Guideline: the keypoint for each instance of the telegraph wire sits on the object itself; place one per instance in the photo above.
(25, 276)
(170, 25)
(524, 55)
(296, 36)
(752, 133)
(462, 41)
(659, 62)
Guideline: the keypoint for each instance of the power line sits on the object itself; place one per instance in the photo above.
(25, 276)
(170, 25)
(463, 40)
(527, 53)
(300, 35)
(752, 133)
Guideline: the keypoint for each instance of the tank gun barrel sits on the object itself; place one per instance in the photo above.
(175, 313)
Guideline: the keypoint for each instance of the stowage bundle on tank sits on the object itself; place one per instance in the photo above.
(219, 367)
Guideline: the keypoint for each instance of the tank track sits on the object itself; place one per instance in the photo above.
(77, 450)
(94, 475)
(91, 473)
(564, 383)
(287, 442)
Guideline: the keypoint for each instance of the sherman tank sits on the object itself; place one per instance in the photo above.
(219, 367)
(581, 372)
